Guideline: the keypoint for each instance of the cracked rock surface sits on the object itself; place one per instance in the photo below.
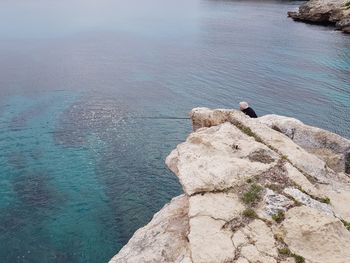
(270, 189)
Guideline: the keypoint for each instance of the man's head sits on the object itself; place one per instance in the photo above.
(243, 105)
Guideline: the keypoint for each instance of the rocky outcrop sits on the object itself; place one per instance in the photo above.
(164, 239)
(270, 189)
(335, 12)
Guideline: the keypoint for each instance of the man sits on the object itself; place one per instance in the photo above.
(244, 107)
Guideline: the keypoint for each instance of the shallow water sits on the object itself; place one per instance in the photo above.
(81, 168)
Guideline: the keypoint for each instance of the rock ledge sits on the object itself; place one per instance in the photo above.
(335, 12)
(265, 190)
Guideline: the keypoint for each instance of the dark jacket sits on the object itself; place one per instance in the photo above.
(250, 112)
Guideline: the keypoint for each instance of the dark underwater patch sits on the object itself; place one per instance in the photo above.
(17, 160)
(20, 121)
(35, 190)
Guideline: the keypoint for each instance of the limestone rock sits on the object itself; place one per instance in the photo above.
(324, 12)
(223, 206)
(164, 239)
(317, 237)
(209, 241)
(237, 173)
(252, 254)
(259, 234)
(217, 158)
(330, 147)
(308, 201)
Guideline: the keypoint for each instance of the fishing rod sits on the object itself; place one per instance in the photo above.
(163, 118)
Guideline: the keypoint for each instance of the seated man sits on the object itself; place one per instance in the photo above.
(244, 107)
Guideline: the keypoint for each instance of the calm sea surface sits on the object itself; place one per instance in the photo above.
(86, 89)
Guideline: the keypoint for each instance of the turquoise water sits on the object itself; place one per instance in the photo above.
(86, 89)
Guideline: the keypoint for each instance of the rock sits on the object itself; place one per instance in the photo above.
(217, 158)
(209, 241)
(330, 147)
(317, 237)
(308, 201)
(274, 202)
(252, 254)
(223, 206)
(283, 145)
(259, 234)
(164, 239)
(324, 12)
(251, 186)
(300, 180)
(339, 194)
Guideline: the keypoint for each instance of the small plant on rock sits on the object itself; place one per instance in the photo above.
(279, 217)
(253, 194)
(346, 224)
(247, 131)
(250, 213)
(325, 200)
(287, 253)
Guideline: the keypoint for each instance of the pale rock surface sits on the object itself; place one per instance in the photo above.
(259, 234)
(308, 201)
(330, 147)
(218, 165)
(251, 253)
(209, 241)
(242, 260)
(164, 239)
(318, 237)
(217, 158)
(299, 179)
(224, 206)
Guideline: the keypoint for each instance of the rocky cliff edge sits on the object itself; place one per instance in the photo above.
(336, 12)
(263, 190)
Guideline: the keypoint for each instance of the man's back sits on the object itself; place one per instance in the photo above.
(250, 112)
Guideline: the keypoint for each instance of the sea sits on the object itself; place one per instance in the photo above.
(95, 94)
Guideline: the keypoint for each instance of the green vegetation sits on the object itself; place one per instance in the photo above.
(250, 213)
(279, 217)
(346, 224)
(252, 195)
(325, 200)
(247, 131)
(286, 252)
(285, 158)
